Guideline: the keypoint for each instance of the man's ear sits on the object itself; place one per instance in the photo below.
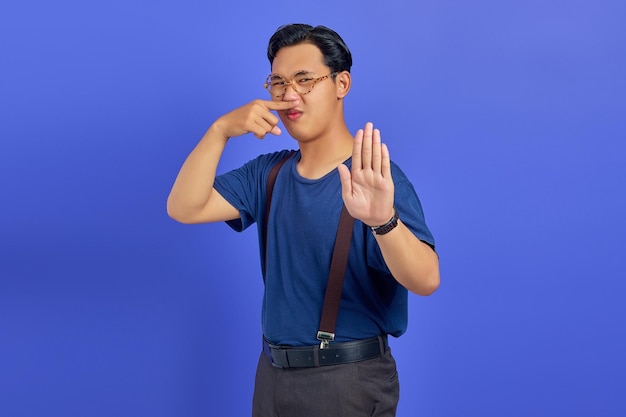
(343, 81)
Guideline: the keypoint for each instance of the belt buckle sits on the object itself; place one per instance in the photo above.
(325, 338)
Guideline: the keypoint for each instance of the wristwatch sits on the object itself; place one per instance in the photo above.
(387, 227)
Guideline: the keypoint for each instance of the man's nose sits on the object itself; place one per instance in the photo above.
(290, 92)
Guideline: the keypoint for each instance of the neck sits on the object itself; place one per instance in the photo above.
(319, 157)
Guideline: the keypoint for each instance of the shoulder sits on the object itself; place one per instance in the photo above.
(268, 160)
(262, 164)
(251, 173)
(259, 167)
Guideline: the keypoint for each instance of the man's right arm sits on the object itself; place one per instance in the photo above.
(193, 198)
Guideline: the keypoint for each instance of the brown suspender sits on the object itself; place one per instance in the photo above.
(338, 263)
(337, 272)
(271, 179)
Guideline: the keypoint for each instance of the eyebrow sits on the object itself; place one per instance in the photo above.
(299, 72)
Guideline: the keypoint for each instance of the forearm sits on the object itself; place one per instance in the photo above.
(192, 189)
(193, 199)
(412, 262)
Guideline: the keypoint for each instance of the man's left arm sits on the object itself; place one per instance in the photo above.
(413, 263)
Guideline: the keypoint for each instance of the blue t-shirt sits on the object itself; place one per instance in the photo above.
(303, 222)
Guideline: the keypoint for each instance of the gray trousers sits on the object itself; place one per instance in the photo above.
(362, 389)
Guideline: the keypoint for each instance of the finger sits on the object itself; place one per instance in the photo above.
(356, 150)
(262, 128)
(385, 162)
(280, 105)
(366, 150)
(266, 121)
(258, 132)
(346, 180)
(276, 131)
(376, 151)
(268, 116)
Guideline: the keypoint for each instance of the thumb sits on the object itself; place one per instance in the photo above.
(346, 179)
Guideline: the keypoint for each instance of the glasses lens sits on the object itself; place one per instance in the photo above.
(276, 85)
(304, 82)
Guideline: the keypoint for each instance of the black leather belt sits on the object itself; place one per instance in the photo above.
(333, 354)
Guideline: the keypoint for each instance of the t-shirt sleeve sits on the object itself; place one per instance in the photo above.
(244, 189)
(410, 213)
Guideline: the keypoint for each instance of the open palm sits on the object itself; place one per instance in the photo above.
(367, 189)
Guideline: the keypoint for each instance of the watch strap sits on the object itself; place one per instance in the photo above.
(387, 227)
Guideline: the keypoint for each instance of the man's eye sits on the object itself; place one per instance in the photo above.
(278, 82)
(304, 80)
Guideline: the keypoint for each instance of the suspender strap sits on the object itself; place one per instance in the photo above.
(271, 179)
(338, 263)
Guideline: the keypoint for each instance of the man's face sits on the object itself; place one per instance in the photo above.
(317, 110)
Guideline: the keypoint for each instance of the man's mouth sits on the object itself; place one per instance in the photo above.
(293, 114)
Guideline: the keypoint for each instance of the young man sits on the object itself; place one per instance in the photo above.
(391, 249)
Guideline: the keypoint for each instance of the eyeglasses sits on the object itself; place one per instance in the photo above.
(302, 83)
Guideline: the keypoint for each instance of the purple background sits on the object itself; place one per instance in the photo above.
(507, 116)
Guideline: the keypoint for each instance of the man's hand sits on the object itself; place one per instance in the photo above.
(368, 190)
(255, 117)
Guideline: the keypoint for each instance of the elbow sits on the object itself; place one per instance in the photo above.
(427, 283)
(432, 278)
(176, 213)
(187, 214)
(431, 284)
(173, 214)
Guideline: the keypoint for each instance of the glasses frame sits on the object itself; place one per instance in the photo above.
(291, 82)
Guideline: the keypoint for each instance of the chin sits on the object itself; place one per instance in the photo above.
(296, 132)
(300, 130)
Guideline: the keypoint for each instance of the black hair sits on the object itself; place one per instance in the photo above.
(336, 54)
